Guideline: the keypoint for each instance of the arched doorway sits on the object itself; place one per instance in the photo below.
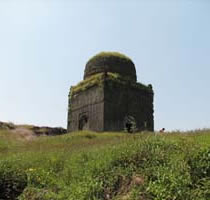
(83, 122)
(130, 124)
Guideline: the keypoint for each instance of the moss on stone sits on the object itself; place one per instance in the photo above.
(111, 62)
(105, 54)
(87, 83)
(98, 79)
(126, 82)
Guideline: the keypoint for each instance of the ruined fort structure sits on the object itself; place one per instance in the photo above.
(110, 98)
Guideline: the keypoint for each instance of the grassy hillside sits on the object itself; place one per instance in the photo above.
(117, 166)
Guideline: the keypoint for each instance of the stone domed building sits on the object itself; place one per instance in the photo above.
(110, 98)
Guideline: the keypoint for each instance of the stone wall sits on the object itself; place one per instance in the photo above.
(110, 104)
(86, 110)
(124, 100)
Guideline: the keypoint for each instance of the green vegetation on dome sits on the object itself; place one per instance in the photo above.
(107, 54)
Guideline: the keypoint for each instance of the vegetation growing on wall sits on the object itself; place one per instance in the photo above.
(87, 83)
(99, 79)
(117, 78)
(107, 55)
(111, 62)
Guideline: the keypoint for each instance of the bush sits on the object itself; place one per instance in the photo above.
(200, 173)
(105, 166)
(200, 165)
(37, 194)
(13, 180)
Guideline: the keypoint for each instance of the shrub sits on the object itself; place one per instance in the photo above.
(13, 180)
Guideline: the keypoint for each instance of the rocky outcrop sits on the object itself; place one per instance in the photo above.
(7, 126)
(48, 130)
(36, 130)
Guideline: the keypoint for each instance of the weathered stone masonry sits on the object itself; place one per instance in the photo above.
(109, 98)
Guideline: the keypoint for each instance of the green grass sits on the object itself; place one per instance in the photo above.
(101, 166)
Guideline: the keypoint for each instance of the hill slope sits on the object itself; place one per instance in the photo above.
(117, 166)
(30, 132)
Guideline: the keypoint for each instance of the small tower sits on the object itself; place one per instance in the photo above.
(110, 98)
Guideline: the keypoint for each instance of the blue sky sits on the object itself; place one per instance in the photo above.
(45, 44)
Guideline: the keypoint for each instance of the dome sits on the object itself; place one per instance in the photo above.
(111, 62)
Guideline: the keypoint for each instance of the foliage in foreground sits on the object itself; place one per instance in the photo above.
(90, 166)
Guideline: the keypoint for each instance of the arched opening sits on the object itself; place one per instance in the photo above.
(128, 127)
(83, 122)
(130, 124)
